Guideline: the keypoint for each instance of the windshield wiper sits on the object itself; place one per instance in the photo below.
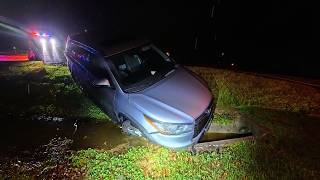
(145, 83)
(141, 85)
(168, 73)
(149, 81)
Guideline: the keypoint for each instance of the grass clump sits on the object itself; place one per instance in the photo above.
(239, 89)
(92, 111)
(57, 72)
(104, 165)
(245, 160)
(278, 157)
(12, 70)
(223, 119)
(289, 151)
(153, 162)
(70, 92)
(40, 89)
(26, 67)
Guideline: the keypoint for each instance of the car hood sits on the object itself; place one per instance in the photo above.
(180, 95)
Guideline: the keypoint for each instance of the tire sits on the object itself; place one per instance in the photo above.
(127, 128)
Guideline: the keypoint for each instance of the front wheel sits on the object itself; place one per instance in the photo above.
(127, 128)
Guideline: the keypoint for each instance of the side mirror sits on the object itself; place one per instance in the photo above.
(101, 83)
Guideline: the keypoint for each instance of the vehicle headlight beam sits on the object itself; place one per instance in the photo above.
(43, 42)
(53, 42)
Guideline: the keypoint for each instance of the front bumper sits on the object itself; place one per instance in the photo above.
(202, 124)
(180, 141)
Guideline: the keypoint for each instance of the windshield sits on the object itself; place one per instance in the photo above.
(141, 67)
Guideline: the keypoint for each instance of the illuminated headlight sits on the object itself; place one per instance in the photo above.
(53, 42)
(169, 128)
(43, 41)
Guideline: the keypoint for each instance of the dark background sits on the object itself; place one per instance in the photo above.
(258, 35)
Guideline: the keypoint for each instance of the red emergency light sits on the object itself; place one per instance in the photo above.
(19, 57)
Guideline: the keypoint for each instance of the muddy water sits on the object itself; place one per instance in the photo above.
(27, 133)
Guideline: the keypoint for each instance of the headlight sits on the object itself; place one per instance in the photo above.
(53, 42)
(169, 128)
(43, 41)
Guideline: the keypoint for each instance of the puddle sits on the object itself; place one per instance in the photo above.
(26, 133)
(19, 133)
(208, 137)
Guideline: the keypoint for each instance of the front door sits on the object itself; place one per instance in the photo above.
(103, 96)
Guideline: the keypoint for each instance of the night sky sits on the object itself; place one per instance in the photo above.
(262, 35)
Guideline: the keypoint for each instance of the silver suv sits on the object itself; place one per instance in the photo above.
(142, 89)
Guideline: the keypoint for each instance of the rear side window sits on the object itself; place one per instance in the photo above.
(97, 69)
(78, 53)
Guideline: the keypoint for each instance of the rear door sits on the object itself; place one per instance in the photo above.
(78, 64)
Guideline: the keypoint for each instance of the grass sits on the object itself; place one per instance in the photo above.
(277, 105)
(154, 162)
(290, 152)
(223, 119)
(44, 90)
(239, 89)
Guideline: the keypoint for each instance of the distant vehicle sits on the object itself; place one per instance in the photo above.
(18, 44)
(15, 50)
(142, 89)
(42, 41)
(42, 37)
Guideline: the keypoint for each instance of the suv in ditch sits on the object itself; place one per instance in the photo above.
(142, 89)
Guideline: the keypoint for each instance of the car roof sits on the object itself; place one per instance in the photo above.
(108, 46)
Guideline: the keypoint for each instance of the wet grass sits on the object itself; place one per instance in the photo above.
(239, 89)
(223, 118)
(35, 88)
(153, 162)
(289, 152)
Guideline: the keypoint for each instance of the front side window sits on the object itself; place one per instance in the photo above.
(140, 67)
